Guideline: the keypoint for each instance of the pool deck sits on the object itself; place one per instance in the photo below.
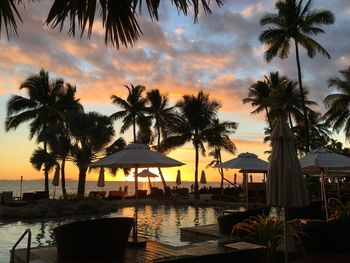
(156, 252)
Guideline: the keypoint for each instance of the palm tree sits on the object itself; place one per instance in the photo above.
(59, 137)
(286, 102)
(159, 111)
(91, 133)
(192, 123)
(119, 18)
(259, 96)
(40, 158)
(338, 104)
(40, 107)
(298, 22)
(220, 140)
(133, 110)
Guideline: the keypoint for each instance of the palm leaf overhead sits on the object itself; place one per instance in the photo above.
(338, 104)
(119, 17)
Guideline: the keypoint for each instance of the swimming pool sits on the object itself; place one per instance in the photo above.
(157, 222)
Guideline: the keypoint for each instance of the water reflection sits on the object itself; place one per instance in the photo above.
(161, 223)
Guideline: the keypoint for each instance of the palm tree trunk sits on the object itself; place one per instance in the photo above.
(196, 187)
(221, 171)
(158, 143)
(46, 171)
(63, 177)
(307, 135)
(134, 129)
(268, 117)
(81, 182)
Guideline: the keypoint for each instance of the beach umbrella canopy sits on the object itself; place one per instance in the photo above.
(101, 178)
(147, 174)
(178, 177)
(136, 156)
(285, 184)
(320, 161)
(247, 162)
(203, 179)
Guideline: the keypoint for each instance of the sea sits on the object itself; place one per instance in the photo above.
(72, 185)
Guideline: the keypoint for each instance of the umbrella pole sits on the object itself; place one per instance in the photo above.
(246, 190)
(150, 183)
(324, 193)
(136, 206)
(20, 188)
(338, 187)
(285, 236)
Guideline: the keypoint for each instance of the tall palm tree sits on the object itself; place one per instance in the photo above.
(192, 123)
(133, 110)
(159, 111)
(220, 140)
(41, 108)
(119, 18)
(91, 133)
(338, 104)
(59, 139)
(296, 21)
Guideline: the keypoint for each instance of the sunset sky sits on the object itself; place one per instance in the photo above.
(220, 55)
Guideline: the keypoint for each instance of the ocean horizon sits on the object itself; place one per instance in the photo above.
(33, 185)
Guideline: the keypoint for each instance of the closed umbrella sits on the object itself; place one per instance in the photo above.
(235, 178)
(285, 184)
(101, 178)
(320, 161)
(56, 179)
(203, 179)
(178, 178)
(248, 163)
(136, 156)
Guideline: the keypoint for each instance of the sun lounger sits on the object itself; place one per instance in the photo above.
(7, 199)
(116, 195)
(101, 194)
(98, 240)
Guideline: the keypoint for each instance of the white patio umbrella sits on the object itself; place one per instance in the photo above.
(136, 156)
(178, 178)
(285, 184)
(147, 174)
(320, 161)
(248, 163)
(56, 179)
(203, 179)
(101, 178)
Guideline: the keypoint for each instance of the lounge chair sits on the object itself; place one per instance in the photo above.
(116, 195)
(100, 194)
(97, 240)
(7, 199)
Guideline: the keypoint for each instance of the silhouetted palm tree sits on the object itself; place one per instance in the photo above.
(91, 132)
(295, 21)
(259, 96)
(119, 18)
(220, 140)
(192, 123)
(338, 104)
(159, 111)
(133, 110)
(41, 108)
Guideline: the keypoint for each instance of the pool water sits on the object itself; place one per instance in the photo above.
(161, 223)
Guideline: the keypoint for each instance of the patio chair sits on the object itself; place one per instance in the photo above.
(116, 195)
(97, 240)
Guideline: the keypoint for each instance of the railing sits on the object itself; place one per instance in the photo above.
(12, 259)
